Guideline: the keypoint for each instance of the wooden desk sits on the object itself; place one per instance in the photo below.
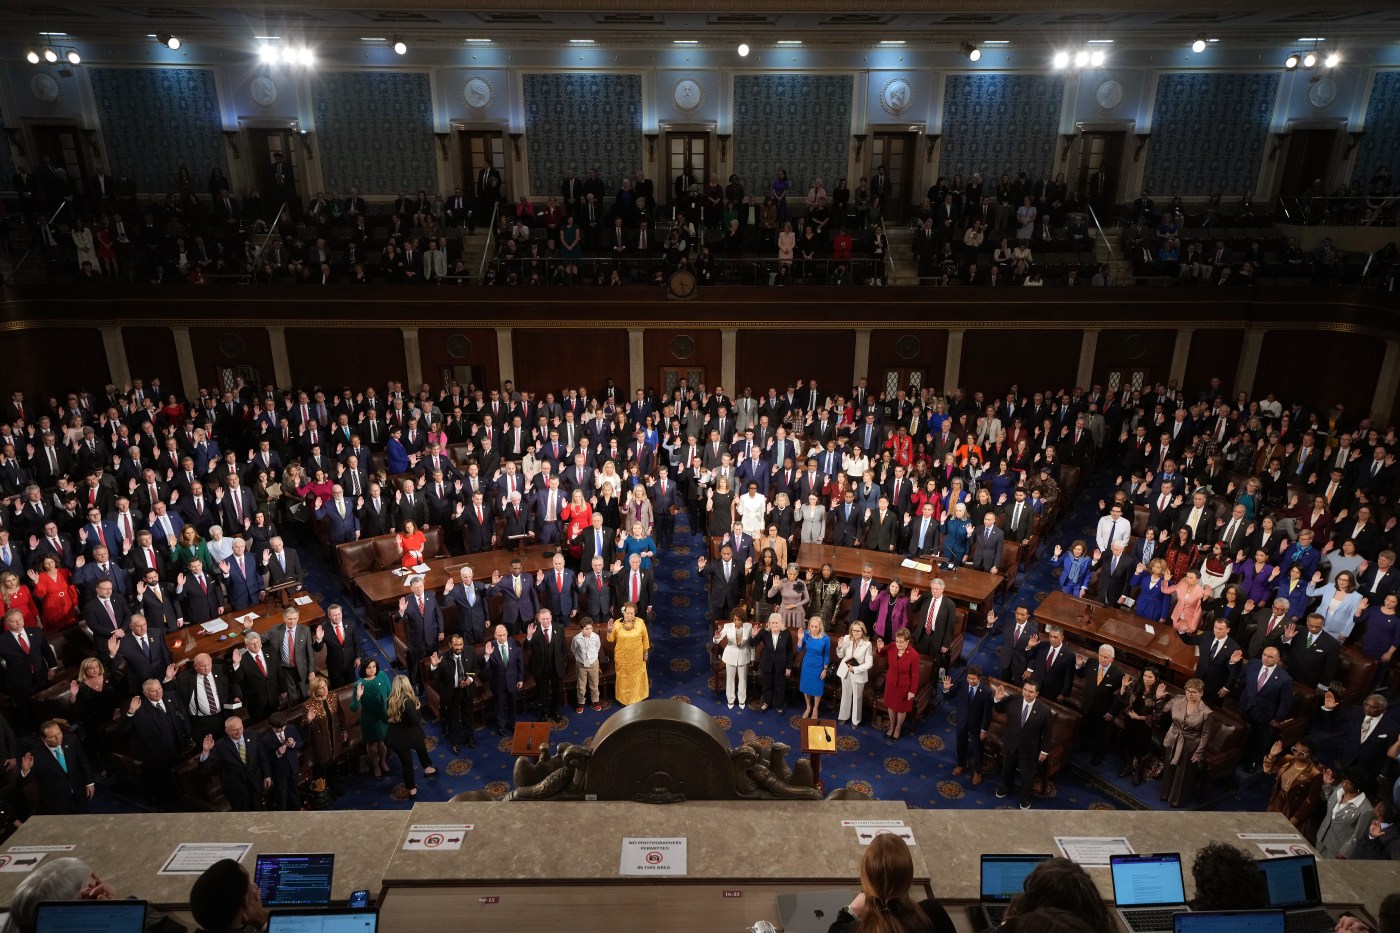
(530, 739)
(970, 587)
(384, 587)
(1121, 629)
(185, 643)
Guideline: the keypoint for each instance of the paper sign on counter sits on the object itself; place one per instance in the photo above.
(866, 834)
(436, 837)
(872, 822)
(21, 863)
(1092, 850)
(1280, 849)
(15, 850)
(653, 857)
(192, 858)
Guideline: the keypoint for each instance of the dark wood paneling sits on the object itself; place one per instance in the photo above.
(150, 353)
(1292, 360)
(932, 356)
(334, 359)
(656, 351)
(1138, 348)
(776, 358)
(549, 359)
(1036, 360)
(432, 350)
(209, 358)
(1214, 353)
(48, 361)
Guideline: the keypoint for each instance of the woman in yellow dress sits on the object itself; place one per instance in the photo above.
(633, 646)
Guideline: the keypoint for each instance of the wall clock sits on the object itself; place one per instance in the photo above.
(1109, 94)
(44, 87)
(1322, 93)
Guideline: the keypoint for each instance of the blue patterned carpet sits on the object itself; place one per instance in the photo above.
(916, 769)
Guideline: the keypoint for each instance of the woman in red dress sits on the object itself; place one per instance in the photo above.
(411, 543)
(901, 680)
(577, 517)
(15, 595)
(58, 597)
(1182, 554)
(902, 446)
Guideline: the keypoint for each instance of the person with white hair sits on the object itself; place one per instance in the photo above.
(62, 879)
(1100, 700)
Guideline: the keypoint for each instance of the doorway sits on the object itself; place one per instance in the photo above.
(1100, 163)
(1309, 159)
(264, 146)
(470, 376)
(229, 376)
(671, 377)
(475, 148)
(911, 379)
(895, 151)
(1135, 380)
(687, 162)
(66, 149)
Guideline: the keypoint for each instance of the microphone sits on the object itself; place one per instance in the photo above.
(827, 730)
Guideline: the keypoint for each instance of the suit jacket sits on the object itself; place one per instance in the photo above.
(505, 675)
(521, 609)
(1370, 755)
(340, 656)
(863, 610)
(259, 691)
(590, 543)
(1025, 741)
(276, 573)
(100, 622)
(1273, 702)
(375, 522)
(275, 644)
(60, 791)
(162, 614)
(159, 738)
(471, 617)
(242, 781)
(1217, 673)
(930, 644)
(1375, 592)
(423, 626)
(549, 657)
(622, 589)
(202, 603)
(987, 549)
(186, 682)
(1020, 530)
(847, 529)
(773, 662)
(447, 682)
(974, 713)
(1100, 695)
(559, 600)
(230, 514)
(245, 584)
(1056, 680)
(882, 535)
(342, 529)
(595, 601)
(1315, 665)
(283, 768)
(140, 666)
(26, 672)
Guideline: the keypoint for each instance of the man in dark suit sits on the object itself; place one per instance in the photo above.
(1098, 702)
(1312, 655)
(1265, 701)
(59, 771)
(340, 637)
(142, 653)
(1025, 740)
(238, 761)
(283, 564)
(281, 749)
(847, 528)
(207, 695)
(290, 643)
(478, 524)
(236, 504)
(1115, 574)
(1267, 627)
(932, 622)
(924, 533)
(1379, 579)
(1367, 731)
(505, 662)
(410, 506)
(340, 517)
(1052, 664)
(775, 653)
(988, 544)
(29, 662)
(974, 716)
(555, 589)
(882, 528)
(522, 603)
(724, 582)
(376, 517)
(422, 619)
(595, 592)
(456, 677)
(1219, 660)
(202, 595)
(634, 585)
(1018, 518)
(549, 657)
(160, 735)
(257, 676)
(470, 599)
(158, 603)
(106, 613)
(664, 499)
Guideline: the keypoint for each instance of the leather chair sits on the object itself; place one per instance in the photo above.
(1226, 746)
(1357, 675)
(1069, 481)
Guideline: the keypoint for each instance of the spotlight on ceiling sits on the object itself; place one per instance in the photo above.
(400, 47)
(1097, 57)
(32, 57)
(305, 57)
(73, 57)
(167, 40)
(268, 53)
(1309, 59)
(50, 56)
(1199, 45)
(289, 54)
(743, 50)
(1081, 59)
(1332, 60)
(1061, 60)
(1291, 61)
(972, 52)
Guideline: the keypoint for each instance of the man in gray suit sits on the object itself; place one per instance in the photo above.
(987, 545)
(291, 643)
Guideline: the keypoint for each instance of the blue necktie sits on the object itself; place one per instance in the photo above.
(62, 762)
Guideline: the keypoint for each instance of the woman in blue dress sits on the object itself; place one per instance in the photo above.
(1152, 604)
(816, 657)
(570, 245)
(395, 456)
(956, 529)
(1074, 568)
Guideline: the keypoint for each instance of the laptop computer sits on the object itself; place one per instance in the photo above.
(1230, 921)
(1148, 890)
(1294, 889)
(1003, 877)
(812, 911)
(340, 920)
(299, 880)
(91, 917)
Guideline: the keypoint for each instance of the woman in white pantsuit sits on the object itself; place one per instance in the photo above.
(854, 658)
(736, 657)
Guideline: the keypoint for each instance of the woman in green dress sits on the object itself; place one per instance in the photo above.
(372, 701)
(189, 545)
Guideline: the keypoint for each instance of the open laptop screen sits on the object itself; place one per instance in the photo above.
(1234, 921)
(1292, 881)
(1147, 880)
(294, 880)
(1004, 876)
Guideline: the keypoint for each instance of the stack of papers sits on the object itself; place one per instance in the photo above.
(215, 626)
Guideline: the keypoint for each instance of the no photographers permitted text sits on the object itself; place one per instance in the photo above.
(653, 857)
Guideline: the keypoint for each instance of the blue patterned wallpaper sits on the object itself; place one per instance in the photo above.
(1381, 144)
(374, 131)
(156, 119)
(1209, 132)
(800, 123)
(582, 121)
(995, 123)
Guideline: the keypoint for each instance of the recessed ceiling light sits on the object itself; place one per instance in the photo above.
(1312, 38)
(789, 41)
(75, 59)
(1096, 59)
(996, 41)
(1100, 41)
(1309, 59)
(267, 38)
(1061, 60)
(64, 34)
(580, 41)
(685, 41)
(743, 49)
(400, 46)
(478, 41)
(1332, 60)
(891, 41)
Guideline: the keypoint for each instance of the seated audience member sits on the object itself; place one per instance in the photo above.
(60, 879)
(1059, 883)
(225, 900)
(884, 904)
(1227, 878)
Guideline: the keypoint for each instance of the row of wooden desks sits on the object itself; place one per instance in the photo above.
(383, 588)
(1090, 624)
(973, 588)
(191, 640)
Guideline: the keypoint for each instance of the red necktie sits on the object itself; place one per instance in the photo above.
(24, 641)
(291, 648)
(261, 666)
(634, 586)
(101, 537)
(340, 634)
(559, 581)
